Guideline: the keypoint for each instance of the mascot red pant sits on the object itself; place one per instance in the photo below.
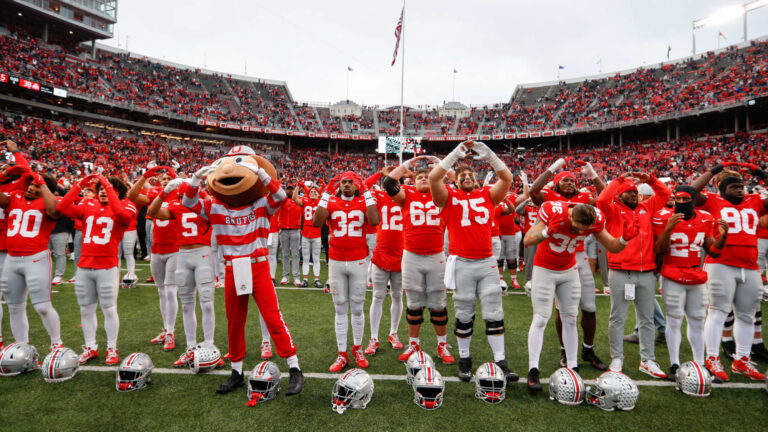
(266, 299)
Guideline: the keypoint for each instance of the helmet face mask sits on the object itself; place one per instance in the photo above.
(693, 380)
(416, 362)
(353, 390)
(490, 383)
(60, 365)
(566, 387)
(428, 388)
(129, 283)
(134, 372)
(264, 382)
(613, 391)
(18, 358)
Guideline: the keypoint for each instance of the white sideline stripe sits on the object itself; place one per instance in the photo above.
(380, 377)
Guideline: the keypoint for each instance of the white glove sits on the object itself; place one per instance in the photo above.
(251, 166)
(308, 183)
(588, 171)
(175, 165)
(486, 154)
(524, 177)
(173, 185)
(459, 152)
(556, 165)
(151, 164)
(201, 174)
(488, 178)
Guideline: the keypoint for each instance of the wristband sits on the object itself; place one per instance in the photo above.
(496, 163)
(545, 233)
(324, 200)
(263, 176)
(369, 201)
(622, 241)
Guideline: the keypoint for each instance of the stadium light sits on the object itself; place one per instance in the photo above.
(726, 14)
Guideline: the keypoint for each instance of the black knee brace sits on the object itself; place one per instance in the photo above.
(439, 317)
(494, 327)
(512, 265)
(464, 329)
(500, 263)
(414, 312)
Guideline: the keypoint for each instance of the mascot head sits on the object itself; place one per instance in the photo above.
(234, 184)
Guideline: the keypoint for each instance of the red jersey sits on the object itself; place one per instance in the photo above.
(388, 252)
(309, 206)
(530, 217)
(743, 219)
(467, 215)
(345, 223)
(165, 233)
(682, 260)
(29, 227)
(289, 215)
(102, 232)
(20, 184)
(557, 252)
(132, 224)
(581, 197)
(194, 229)
(273, 224)
(422, 225)
(507, 224)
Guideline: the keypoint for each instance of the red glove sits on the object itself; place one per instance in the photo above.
(568, 159)
(580, 162)
(330, 188)
(360, 184)
(751, 167)
(103, 180)
(631, 230)
(86, 181)
(17, 170)
(152, 172)
(727, 164)
(37, 179)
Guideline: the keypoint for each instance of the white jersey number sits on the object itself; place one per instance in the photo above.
(103, 223)
(745, 220)
(680, 245)
(566, 243)
(424, 214)
(348, 224)
(309, 213)
(190, 228)
(481, 215)
(391, 218)
(26, 223)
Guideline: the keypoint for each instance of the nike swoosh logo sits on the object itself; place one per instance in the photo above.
(35, 261)
(205, 256)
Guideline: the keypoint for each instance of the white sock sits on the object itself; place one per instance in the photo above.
(293, 362)
(130, 262)
(713, 331)
(695, 338)
(442, 339)
(464, 346)
(51, 321)
(358, 323)
(413, 340)
(674, 337)
(264, 329)
(570, 339)
(111, 325)
(237, 366)
(189, 317)
(742, 334)
(209, 320)
(375, 315)
(497, 346)
(342, 327)
(536, 340)
(172, 307)
(395, 309)
(89, 322)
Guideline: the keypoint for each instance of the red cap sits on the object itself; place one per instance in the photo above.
(562, 175)
(626, 185)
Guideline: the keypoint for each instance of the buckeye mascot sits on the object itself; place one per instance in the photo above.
(245, 193)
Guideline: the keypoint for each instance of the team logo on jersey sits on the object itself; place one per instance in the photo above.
(241, 220)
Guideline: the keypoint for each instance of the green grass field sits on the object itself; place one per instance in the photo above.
(188, 402)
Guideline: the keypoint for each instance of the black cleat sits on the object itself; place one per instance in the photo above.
(511, 376)
(729, 348)
(661, 338)
(318, 284)
(534, 385)
(589, 356)
(465, 368)
(759, 353)
(295, 383)
(672, 373)
(304, 284)
(563, 359)
(234, 381)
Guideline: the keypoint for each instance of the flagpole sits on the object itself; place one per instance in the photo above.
(454, 85)
(402, 81)
(347, 83)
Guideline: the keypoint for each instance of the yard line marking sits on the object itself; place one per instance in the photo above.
(384, 377)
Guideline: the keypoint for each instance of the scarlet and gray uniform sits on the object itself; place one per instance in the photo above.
(311, 243)
(194, 266)
(165, 247)
(289, 223)
(386, 263)
(347, 250)
(242, 232)
(423, 258)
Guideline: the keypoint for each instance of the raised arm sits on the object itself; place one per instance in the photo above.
(436, 185)
(391, 182)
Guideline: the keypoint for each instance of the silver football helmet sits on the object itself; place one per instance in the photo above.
(205, 357)
(693, 380)
(613, 391)
(566, 387)
(353, 390)
(60, 365)
(417, 361)
(428, 388)
(134, 372)
(129, 281)
(490, 383)
(18, 358)
(264, 383)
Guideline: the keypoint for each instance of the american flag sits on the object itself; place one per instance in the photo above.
(398, 32)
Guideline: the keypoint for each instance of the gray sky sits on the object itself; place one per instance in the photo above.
(494, 44)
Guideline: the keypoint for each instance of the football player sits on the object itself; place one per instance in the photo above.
(423, 263)
(289, 223)
(733, 277)
(31, 216)
(631, 271)
(346, 212)
(471, 267)
(560, 228)
(164, 252)
(127, 247)
(98, 270)
(565, 189)
(310, 235)
(681, 235)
